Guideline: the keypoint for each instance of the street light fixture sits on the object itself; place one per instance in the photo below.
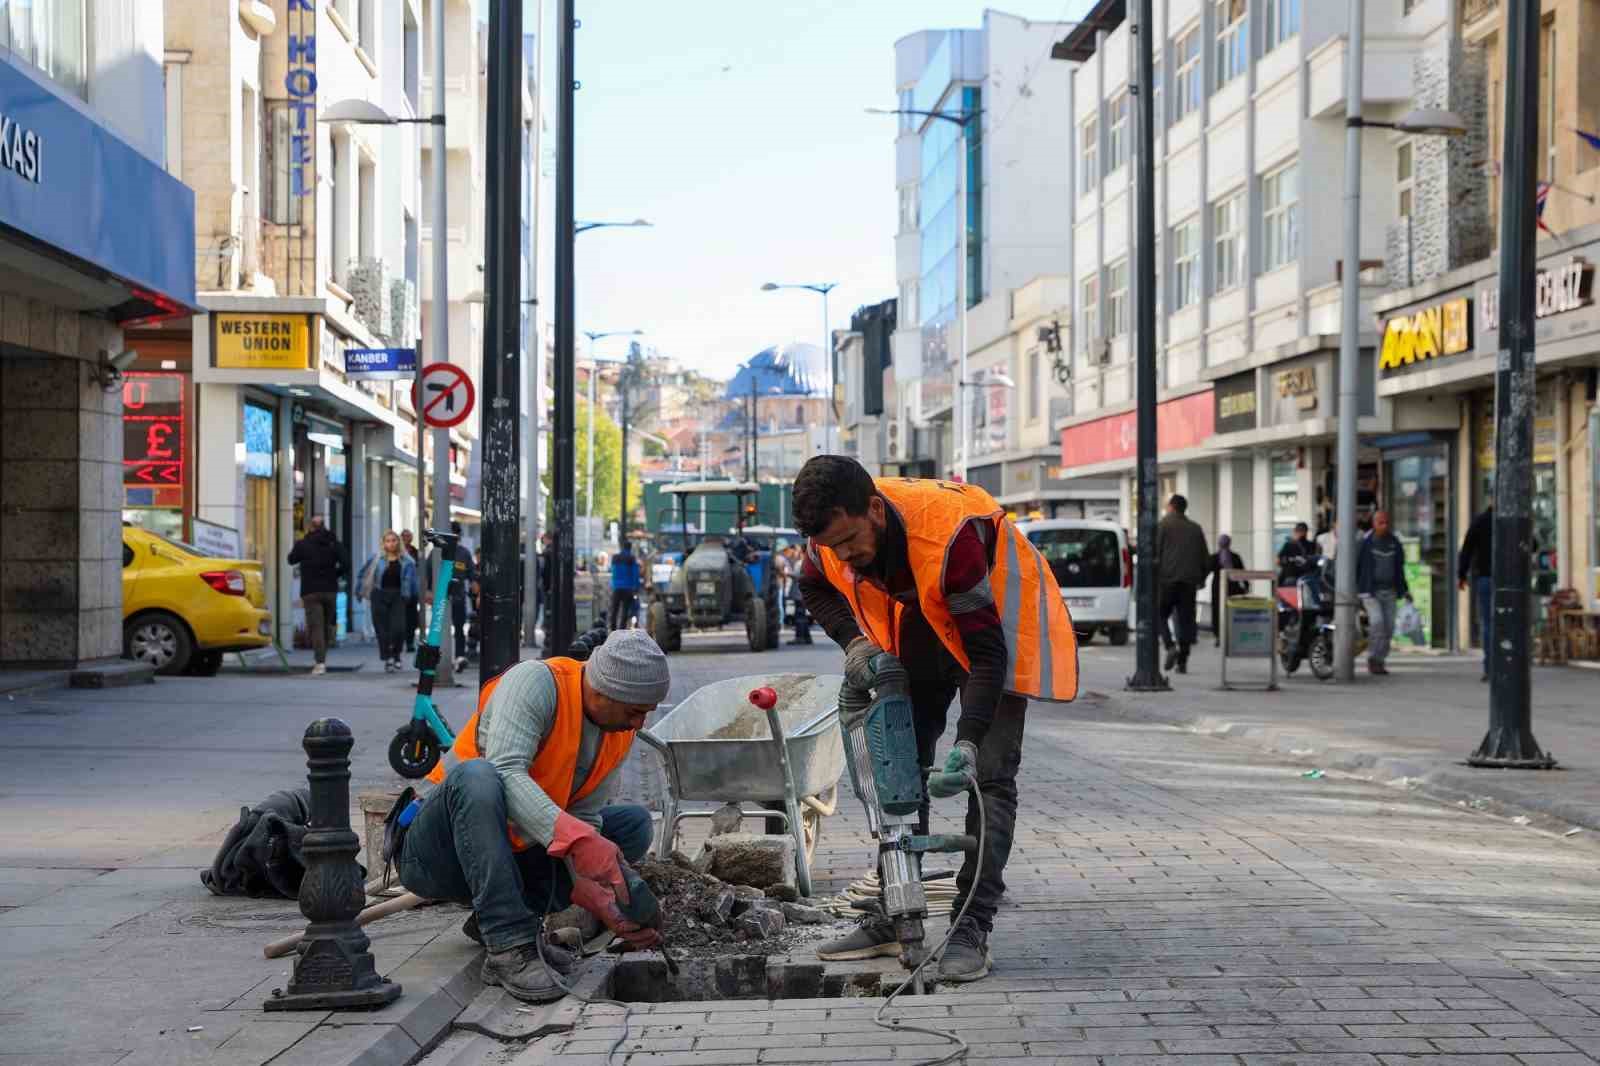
(594, 366)
(585, 227)
(359, 112)
(964, 119)
(1423, 122)
(996, 381)
(822, 288)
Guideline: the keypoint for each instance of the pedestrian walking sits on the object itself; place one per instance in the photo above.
(1224, 558)
(320, 557)
(1475, 564)
(386, 581)
(624, 587)
(413, 603)
(1297, 556)
(1328, 541)
(1381, 583)
(793, 562)
(1182, 563)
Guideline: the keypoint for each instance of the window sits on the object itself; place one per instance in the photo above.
(1117, 317)
(1186, 74)
(1283, 22)
(1404, 177)
(52, 35)
(908, 301)
(1233, 39)
(1280, 217)
(1185, 263)
(1089, 153)
(1227, 227)
(1157, 79)
(1117, 132)
(339, 194)
(1034, 385)
(282, 198)
(908, 207)
(1089, 313)
(412, 69)
(367, 209)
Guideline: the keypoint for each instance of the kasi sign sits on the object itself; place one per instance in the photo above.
(261, 341)
(1433, 332)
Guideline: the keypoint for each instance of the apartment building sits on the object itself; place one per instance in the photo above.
(992, 166)
(1441, 327)
(306, 245)
(95, 238)
(1249, 98)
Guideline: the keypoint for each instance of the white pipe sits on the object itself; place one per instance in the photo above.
(1344, 651)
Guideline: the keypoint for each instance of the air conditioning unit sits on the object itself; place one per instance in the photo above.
(1100, 351)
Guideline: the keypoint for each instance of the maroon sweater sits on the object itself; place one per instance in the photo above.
(967, 594)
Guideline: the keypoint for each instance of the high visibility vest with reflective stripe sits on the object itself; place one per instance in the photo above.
(556, 763)
(1042, 651)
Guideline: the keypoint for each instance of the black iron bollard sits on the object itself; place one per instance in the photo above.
(334, 968)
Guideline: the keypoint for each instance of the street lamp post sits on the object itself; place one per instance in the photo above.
(1425, 123)
(823, 288)
(594, 372)
(964, 119)
(364, 112)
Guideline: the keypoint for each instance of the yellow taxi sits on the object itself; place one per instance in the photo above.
(182, 610)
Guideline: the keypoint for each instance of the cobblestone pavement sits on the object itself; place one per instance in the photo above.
(1181, 898)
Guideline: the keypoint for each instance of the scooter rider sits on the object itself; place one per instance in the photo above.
(524, 786)
(935, 574)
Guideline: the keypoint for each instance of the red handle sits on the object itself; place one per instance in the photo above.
(765, 697)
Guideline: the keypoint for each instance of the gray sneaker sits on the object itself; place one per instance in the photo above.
(966, 957)
(874, 937)
(521, 974)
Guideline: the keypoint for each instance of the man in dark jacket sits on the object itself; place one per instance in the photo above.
(1475, 563)
(1381, 583)
(1297, 556)
(321, 560)
(1225, 558)
(1182, 563)
(412, 603)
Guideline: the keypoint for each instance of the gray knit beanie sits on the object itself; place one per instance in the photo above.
(630, 668)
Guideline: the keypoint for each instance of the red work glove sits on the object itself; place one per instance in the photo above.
(591, 856)
(602, 903)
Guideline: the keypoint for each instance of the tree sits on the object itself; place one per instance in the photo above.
(607, 467)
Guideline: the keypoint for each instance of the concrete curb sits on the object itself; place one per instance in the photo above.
(440, 981)
(1491, 791)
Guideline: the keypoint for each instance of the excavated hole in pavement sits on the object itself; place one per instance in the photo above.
(742, 977)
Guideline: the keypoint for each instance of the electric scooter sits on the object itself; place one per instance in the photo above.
(417, 745)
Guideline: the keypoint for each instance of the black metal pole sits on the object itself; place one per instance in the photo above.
(1147, 675)
(1509, 741)
(500, 419)
(562, 620)
(750, 452)
(622, 506)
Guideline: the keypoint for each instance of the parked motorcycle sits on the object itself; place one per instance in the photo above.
(1306, 631)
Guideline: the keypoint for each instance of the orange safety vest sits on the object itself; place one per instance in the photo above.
(556, 763)
(1041, 648)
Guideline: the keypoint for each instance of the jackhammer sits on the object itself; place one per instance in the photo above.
(881, 753)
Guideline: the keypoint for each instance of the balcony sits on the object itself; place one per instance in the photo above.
(372, 286)
(1473, 10)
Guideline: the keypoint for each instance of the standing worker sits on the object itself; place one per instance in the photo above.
(320, 557)
(933, 573)
(1183, 564)
(524, 785)
(1381, 582)
(624, 587)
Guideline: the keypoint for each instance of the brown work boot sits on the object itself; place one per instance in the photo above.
(521, 973)
(560, 959)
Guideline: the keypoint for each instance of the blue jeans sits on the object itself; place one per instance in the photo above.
(457, 850)
(1483, 592)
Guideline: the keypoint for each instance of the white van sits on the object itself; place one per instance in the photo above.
(1094, 568)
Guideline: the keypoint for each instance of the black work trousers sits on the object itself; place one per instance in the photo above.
(999, 756)
(1177, 614)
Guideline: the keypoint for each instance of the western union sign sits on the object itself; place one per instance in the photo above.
(250, 341)
(1440, 330)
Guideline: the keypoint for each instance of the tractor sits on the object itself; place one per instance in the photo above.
(721, 579)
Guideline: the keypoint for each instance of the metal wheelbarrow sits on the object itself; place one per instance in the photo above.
(718, 746)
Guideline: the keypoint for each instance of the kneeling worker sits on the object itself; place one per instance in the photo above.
(517, 826)
(935, 574)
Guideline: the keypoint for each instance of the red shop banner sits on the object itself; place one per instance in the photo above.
(1183, 423)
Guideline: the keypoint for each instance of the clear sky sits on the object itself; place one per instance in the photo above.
(736, 127)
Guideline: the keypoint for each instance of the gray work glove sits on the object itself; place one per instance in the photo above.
(951, 779)
(860, 670)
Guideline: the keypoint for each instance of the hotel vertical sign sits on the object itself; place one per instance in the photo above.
(301, 84)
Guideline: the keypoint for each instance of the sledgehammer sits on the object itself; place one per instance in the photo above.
(279, 948)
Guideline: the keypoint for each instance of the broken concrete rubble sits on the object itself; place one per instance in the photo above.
(752, 859)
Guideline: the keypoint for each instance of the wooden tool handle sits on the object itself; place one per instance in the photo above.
(279, 948)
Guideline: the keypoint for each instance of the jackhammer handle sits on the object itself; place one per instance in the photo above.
(951, 842)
